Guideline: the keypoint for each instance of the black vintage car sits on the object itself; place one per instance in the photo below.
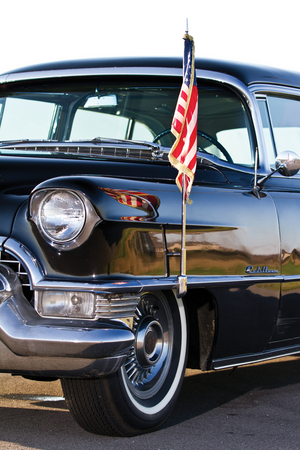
(90, 231)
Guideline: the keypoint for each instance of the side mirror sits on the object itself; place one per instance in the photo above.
(287, 163)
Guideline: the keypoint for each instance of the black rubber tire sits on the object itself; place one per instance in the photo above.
(135, 399)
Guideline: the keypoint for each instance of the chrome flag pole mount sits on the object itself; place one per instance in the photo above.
(182, 278)
(183, 154)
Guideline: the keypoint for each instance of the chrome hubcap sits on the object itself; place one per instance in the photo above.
(148, 362)
(149, 342)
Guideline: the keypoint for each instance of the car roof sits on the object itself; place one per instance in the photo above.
(246, 73)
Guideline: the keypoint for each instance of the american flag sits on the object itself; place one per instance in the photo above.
(183, 154)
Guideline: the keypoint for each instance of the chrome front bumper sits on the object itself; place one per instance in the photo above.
(36, 346)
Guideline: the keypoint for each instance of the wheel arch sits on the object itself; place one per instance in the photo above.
(201, 310)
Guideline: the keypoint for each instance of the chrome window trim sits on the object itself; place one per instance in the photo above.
(250, 99)
(62, 73)
(265, 89)
(263, 98)
(261, 91)
(2, 239)
(203, 74)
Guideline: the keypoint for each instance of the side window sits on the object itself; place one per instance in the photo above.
(225, 125)
(26, 119)
(285, 120)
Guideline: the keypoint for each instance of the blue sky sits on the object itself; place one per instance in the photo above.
(257, 32)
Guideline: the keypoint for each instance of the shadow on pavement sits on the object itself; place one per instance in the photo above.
(47, 429)
(204, 391)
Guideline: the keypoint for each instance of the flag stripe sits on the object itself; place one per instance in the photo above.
(183, 154)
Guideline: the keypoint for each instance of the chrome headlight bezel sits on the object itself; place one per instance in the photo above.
(62, 216)
(82, 230)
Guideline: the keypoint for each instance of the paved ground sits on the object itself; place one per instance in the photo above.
(254, 407)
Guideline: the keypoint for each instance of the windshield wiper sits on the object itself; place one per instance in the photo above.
(153, 146)
(9, 143)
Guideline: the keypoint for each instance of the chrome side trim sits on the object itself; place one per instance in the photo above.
(224, 363)
(232, 280)
(114, 287)
(209, 281)
(290, 278)
(154, 284)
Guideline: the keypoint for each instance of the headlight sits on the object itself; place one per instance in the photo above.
(62, 216)
(65, 304)
(65, 218)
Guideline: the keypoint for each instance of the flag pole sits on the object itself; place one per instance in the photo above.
(183, 154)
(182, 278)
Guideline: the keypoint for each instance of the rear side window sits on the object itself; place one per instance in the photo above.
(285, 114)
(281, 122)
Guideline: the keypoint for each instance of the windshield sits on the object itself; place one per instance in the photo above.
(137, 109)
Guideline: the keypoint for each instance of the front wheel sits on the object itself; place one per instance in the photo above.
(138, 397)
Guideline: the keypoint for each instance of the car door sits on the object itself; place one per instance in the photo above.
(232, 236)
(280, 113)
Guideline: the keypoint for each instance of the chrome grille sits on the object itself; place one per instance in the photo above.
(116, 306)
(16, 266)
